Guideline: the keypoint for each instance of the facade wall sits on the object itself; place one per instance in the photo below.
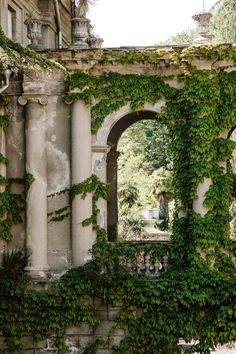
(78, 338)
(44, 10)
(58, 145)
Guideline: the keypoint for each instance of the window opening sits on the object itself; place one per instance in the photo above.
(11, 23)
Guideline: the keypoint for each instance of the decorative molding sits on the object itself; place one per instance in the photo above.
(101, 148)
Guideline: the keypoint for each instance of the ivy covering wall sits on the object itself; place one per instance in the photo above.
(195, 299)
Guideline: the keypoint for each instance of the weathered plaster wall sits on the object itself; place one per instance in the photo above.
(58, 162)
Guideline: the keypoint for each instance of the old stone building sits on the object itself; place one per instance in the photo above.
(53, 144)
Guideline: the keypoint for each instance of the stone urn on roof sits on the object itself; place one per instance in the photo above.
(202, 20)
(81, 26)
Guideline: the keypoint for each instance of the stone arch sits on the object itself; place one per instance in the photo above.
(104, 144)
(101, 137)
(101, 148)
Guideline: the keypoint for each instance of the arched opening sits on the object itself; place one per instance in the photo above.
(112, 164)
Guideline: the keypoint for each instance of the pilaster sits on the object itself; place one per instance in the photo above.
(36, 201)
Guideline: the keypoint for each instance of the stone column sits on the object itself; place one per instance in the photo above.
(112, 205)
(81, 149)
(36, 201)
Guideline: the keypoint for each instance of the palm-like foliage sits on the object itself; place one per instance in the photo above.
(83, 6)
(13, 264)
(128, 196)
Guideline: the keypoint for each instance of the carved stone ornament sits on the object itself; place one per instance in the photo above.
(95, 41)
(34, 32)
(23, 100)
(202, 20)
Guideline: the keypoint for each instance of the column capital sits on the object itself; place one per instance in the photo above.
(23, 100)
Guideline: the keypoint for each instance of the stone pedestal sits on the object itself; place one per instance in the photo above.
(81, 149)
(36, 201)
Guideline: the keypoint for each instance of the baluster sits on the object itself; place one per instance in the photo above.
(152, 265)
(129, 264)
(139, 262)
(158, 266)
(165, 262)
(147, 263)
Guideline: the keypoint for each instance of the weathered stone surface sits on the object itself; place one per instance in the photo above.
(113, 312)
(82, 329)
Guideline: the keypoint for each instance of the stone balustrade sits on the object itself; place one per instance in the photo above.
(146, 261)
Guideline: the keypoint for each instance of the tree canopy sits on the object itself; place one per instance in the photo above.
(224, 21)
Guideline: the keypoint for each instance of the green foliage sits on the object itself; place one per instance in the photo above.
(128, 196)
(17, 56)
(4, 121)
(58, 308)
(156, 144)
(3, 159)
(12, 205)
(182, 38)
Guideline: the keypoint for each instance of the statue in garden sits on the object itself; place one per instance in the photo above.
(163, 193)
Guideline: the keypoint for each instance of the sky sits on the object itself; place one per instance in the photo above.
(142, 22)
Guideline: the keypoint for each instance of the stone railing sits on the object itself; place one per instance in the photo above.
(147, 260)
